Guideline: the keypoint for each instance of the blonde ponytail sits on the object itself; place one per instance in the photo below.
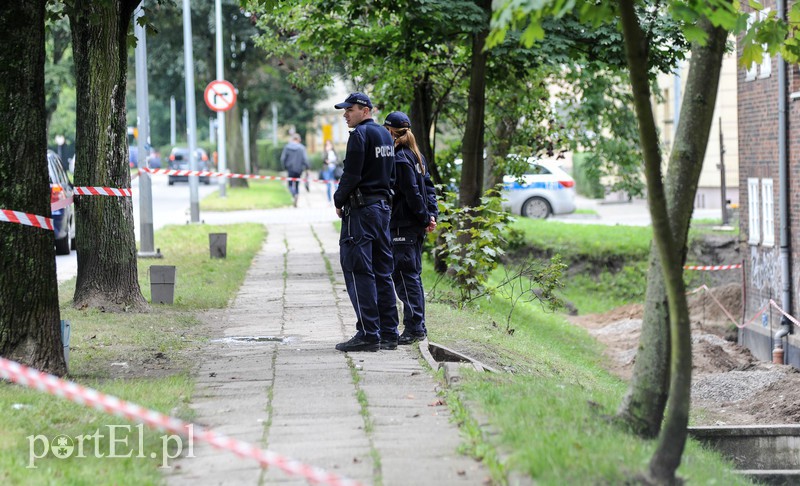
(405, 138)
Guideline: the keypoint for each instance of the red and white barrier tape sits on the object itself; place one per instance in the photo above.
(27, 219)
(61, 203)
(103, 191)
(719, 304)
(755, 316)
(712, 267)
(204, 173)
(88, 397)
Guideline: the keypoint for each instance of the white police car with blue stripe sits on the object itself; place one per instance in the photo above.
(545, 189)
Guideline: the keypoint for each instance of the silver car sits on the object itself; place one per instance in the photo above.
(544, 190)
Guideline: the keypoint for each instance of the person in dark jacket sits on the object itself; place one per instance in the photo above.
(295, 160)
(363, 201)
(414, 212)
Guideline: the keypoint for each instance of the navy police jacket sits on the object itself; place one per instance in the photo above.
(414, 195)
(368, 164)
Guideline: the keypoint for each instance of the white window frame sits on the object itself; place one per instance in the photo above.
(753, 210)
(750, 74)
(767, 212)
(764, 69)
(766, 60)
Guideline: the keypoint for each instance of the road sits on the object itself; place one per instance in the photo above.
(170, 206)
(621, 212)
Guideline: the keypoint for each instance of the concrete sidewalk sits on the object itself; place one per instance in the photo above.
(372, 417)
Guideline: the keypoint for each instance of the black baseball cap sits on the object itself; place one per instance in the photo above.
(355, 99)
(397, 119)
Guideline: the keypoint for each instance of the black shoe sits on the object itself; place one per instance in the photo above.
(411, 337)
(357, 343)
(388, 344)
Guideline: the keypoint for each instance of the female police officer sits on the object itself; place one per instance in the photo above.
(414, 212)
(363, 202)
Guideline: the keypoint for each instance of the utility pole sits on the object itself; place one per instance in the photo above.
(146, 243)
(274, 124)
(246, 139)
(191, 115)
(172, 125)
(722, 188)
(223, 161)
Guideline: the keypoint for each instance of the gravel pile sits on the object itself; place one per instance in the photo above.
(733, 385)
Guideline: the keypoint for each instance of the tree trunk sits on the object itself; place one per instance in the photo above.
(643, 407)
(672, 438)
(421, 116)
(504, 133)
(107, 267)
(255, 121)
(471, 186)
(235, 145)
(30, 330)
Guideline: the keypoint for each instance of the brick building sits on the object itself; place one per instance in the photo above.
(769, 156)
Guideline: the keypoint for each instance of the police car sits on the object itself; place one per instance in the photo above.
(544, 190)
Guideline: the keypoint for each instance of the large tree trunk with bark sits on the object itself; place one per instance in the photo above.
(643, 406)
(30, 330)
(471, 187)
(107, 267)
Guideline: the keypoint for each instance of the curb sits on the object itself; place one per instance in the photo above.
(452, 377)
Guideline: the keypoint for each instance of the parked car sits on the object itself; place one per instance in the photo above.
(544, 190)
(61, 196)
(179, 160)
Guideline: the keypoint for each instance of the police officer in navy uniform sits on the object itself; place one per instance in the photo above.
(363, 201)
(414, 212)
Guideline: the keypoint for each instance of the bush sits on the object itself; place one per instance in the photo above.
(586, 175)
(269, 156)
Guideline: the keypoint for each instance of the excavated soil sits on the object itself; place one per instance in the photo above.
(729, 385)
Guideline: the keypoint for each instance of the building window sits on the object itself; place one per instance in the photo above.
(753, 211)
(794, 76)
(767, 213)
(763, 70)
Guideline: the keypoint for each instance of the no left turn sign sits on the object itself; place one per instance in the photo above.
(220, 95)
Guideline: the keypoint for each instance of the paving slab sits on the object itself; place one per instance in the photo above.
(297, 396)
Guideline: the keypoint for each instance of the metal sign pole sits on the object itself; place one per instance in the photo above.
(191, 117)
(246, 139)
(146, 243)
(221, 155)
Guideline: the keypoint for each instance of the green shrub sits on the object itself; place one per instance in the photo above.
(269, 156)
(586, 175)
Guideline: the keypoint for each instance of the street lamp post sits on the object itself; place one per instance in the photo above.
(60, 140)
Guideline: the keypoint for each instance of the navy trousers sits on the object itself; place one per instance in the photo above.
(366, 258)
(294, 186)
(407, 251)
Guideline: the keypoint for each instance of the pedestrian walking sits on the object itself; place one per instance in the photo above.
(295, 160)
(329, 164)
(363, 202)
(414, 212)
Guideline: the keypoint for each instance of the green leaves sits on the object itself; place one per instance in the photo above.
(471, 240)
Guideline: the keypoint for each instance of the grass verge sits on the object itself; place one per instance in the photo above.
(142, 358)
(259, 195)
(551, 405)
